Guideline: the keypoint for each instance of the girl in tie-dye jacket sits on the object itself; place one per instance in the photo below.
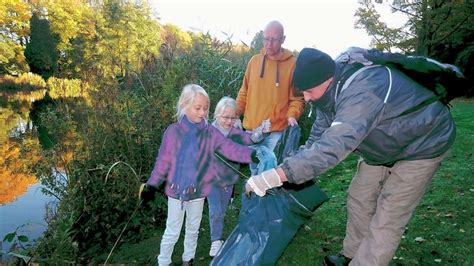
(185, 163)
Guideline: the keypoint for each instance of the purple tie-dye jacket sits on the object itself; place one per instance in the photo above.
(209, 140)
(226, 175)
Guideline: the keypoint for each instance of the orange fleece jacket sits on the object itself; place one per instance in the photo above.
(267, 92)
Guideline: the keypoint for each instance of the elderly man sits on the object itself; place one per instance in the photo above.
(267, 91)
(400, 151)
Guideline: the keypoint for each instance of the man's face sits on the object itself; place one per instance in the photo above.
(273, 38)
(316, 92)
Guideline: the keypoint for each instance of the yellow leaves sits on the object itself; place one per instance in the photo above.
(70, 143)
(15, 16)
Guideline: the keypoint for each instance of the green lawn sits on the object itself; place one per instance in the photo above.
(440, 232)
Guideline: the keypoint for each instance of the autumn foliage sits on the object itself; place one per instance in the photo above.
(16, 164)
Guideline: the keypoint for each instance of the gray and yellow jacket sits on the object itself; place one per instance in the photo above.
(364, 117)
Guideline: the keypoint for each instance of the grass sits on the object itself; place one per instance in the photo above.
(440, 232)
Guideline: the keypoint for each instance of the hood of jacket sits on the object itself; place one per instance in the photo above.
(286, 55)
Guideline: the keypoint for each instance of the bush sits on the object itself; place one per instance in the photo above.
(25, 82)
(64, 88)
(119, 132)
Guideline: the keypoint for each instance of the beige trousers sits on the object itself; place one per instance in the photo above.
(380, 203)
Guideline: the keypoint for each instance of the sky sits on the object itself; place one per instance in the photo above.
(327, 25)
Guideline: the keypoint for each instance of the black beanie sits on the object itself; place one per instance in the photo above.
(313, 67)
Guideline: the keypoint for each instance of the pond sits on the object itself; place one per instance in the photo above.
(25, 215)
(22, 204)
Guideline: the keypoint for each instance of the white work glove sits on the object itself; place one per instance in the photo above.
(262, 182)
(258, 133)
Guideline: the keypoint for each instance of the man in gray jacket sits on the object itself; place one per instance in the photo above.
(399, 153)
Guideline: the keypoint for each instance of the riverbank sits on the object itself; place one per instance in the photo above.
(440, 232)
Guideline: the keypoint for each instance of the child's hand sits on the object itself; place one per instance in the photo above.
(258, 133)
(238, 123)
(146, 193)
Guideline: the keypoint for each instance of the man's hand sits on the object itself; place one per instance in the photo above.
(262, 182)
(292, 121)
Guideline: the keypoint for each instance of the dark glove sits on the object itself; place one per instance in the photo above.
(146, 193)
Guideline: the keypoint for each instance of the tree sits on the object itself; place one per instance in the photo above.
(40, 52)
(384, 37)
(257, 41)
(175, 41)
(14, 20)
(443, 30)
(14, 29)
(74, 23)
(127, 36)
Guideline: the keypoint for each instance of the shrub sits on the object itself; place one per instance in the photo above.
(64, 88)
(24, 82)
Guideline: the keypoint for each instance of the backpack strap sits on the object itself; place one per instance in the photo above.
(348, 81)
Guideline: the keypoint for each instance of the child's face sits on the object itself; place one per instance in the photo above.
(227, 118)
(198, 109)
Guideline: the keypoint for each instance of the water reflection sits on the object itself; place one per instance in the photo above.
(19, 148)
(33, 144)
(16, 162)
(22, 204)
(25, 215)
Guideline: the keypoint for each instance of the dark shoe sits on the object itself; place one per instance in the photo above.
(188, 263)
(336, 260)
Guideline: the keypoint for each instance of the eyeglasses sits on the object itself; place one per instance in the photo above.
(272, 40)
(231, 118)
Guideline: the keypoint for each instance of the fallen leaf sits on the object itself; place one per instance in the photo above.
(437, 260)
(462, 230)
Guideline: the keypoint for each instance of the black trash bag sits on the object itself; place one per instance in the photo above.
(288, 143)
(267, 224)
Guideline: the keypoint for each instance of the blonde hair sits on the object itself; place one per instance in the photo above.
(222, 104)
(186, 98)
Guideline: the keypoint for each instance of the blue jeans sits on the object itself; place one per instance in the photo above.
(218, 200)
(270, 142)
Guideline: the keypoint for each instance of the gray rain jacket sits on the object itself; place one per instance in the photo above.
(364, 117)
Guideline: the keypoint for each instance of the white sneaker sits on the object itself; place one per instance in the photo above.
(215, 247)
